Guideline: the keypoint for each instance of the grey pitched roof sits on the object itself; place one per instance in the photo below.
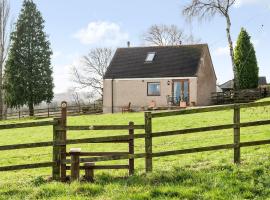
(170, 61)
(229, 84)
(262, 80)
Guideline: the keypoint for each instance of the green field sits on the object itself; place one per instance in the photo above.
(209, 175)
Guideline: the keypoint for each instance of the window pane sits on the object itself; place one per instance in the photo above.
(177, 92)
(186, 95)
(150, 57)
(154, 89)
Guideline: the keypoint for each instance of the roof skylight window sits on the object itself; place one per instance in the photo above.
(150, 57)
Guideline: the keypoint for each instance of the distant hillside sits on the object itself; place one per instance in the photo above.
(68, 96)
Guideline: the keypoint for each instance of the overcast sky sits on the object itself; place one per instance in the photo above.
(76, 26)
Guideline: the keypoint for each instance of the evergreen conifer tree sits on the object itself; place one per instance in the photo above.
(28, 73)
(246, 62)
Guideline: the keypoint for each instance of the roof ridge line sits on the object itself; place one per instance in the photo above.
(184, 45)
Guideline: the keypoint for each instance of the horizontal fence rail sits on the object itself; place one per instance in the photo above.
(26, 166)
(171, 153)
(206, 129)
(100, 153)
(56, 111)
(100, 127)
(26, 146)
(108, 158)
(126, 138)
(26, 125)
(207, 109)
(105, 156)
(111, 139)
(97, 167)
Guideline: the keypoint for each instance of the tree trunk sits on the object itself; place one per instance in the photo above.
(1, 95)
(1, 88)
(31, 109)
(1, 83)
(228, 30)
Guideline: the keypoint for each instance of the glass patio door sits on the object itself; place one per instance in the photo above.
(181, 91)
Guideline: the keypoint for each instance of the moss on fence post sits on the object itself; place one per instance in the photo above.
(131, 148)
(63, 137)
(56, 150)
(236, 121)
(148, 141)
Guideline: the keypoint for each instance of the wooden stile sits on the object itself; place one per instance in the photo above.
(236, 121)
(89, 171)
(75, 164)
(131, 148)
(148, 141)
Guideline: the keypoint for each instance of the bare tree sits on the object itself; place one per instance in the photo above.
(209, 8)
(163, 35)
(4, 44)
(76, 98)
(91, 74)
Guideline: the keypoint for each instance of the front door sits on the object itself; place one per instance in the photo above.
(180, 91)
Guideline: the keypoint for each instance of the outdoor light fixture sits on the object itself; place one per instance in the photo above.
(169, 82)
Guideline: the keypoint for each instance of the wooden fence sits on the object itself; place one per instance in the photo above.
(26, 145)
(242, 96)
(56, 111)
(235, 126)
(60, 162)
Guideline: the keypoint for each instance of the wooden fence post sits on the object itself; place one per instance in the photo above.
(236, 121)
(131, 148)
(148, 141)
(89, 171)
(75, 164)
(63, 139)
(56, 150)
(48, 111)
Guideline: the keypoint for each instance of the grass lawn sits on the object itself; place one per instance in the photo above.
(208, 175)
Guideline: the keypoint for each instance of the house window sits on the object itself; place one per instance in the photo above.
(153, 89)
(150, 57)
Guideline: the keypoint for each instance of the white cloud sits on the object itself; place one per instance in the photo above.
(240, 3)
(255, 42)
(62, 73)
(222, 51)
(102, 33)
(56, 54)
(225, 51)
